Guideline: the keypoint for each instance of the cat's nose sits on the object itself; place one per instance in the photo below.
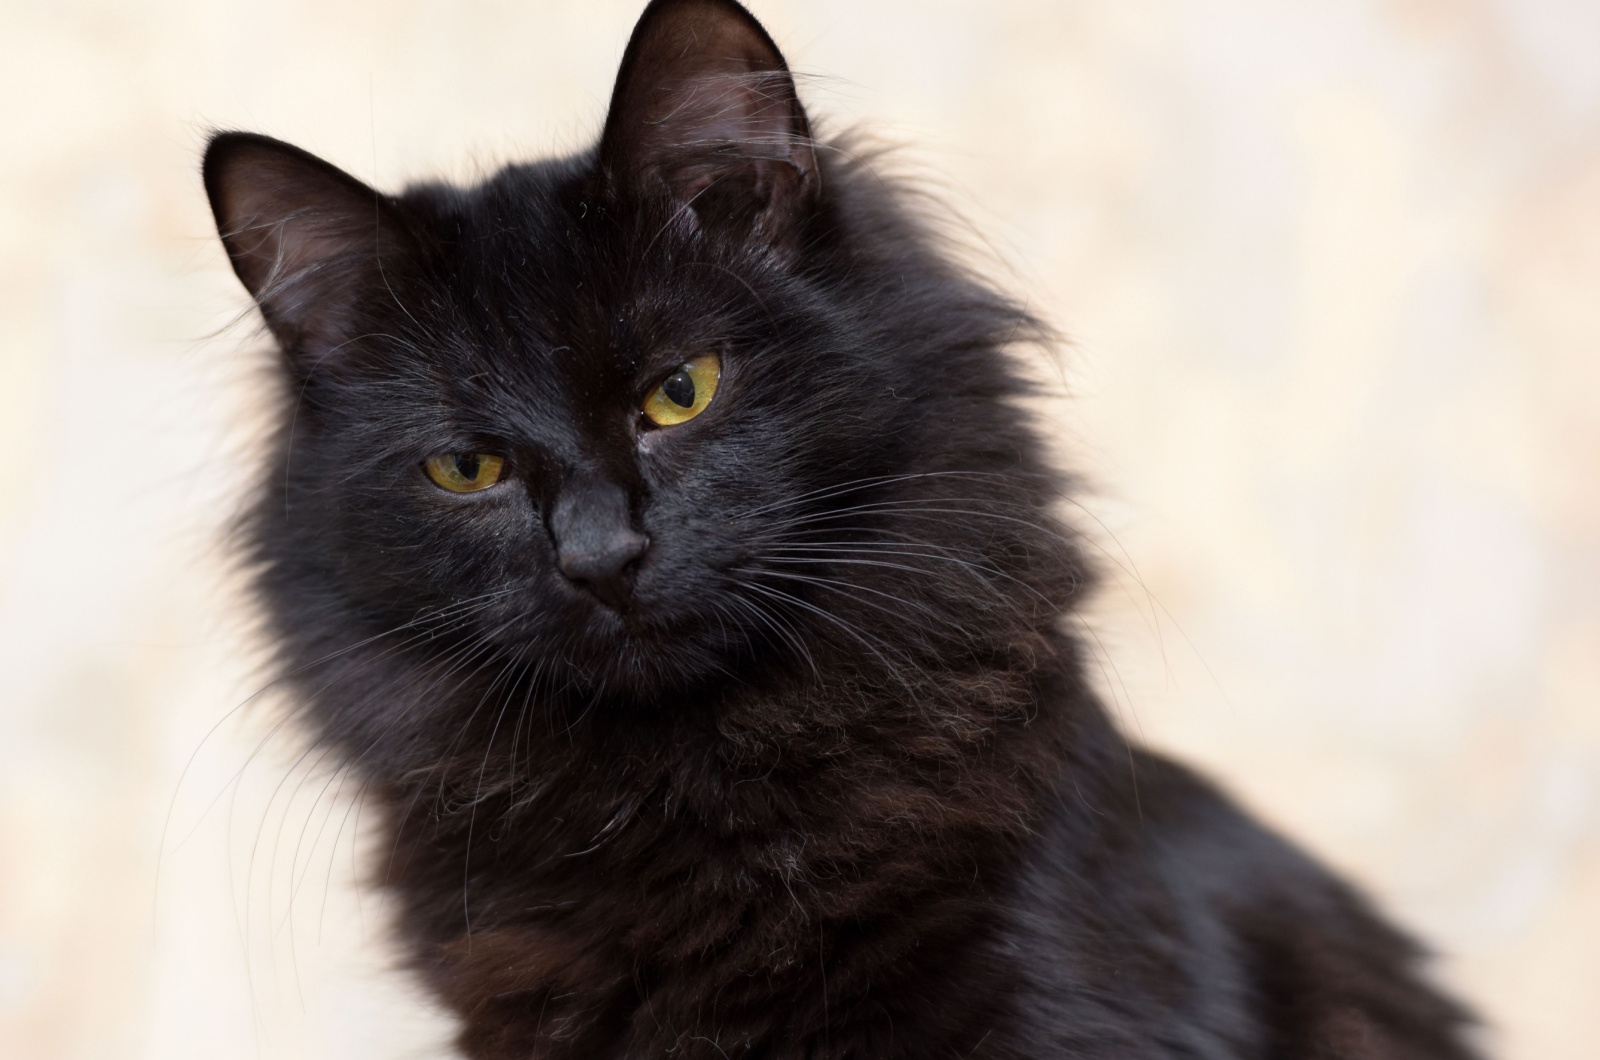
(596, 545)
(607, 569)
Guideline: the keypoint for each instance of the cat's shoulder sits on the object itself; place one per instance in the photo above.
(1158, 918)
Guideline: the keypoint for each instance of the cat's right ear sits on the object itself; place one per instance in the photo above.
(305, 238)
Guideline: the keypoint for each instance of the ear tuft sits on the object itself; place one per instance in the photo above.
(301, 234)
(705, 108)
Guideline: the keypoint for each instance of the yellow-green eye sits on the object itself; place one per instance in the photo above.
(685, 393)
(465, 472)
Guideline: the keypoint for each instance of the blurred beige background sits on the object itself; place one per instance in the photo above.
(1332, 272)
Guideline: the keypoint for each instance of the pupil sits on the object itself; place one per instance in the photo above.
(680, 389)
(467, 465)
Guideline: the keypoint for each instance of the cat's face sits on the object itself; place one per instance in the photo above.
(586, 444)
(629, 417)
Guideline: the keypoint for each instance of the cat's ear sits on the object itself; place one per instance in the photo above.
(705, 110)
(305, 238)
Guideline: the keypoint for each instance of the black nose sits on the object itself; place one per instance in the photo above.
(606, 570)
(596, 544)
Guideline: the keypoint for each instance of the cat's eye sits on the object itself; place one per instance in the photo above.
(465, 472)
(685, 393)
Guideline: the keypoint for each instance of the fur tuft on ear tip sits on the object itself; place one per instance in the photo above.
(705, 109)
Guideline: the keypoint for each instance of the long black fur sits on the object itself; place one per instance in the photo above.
(831, 782)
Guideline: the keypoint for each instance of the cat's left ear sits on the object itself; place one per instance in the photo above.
(705, 111)
(308, 240)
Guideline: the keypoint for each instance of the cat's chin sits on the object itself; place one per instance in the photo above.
(641, 675)
(629, 658)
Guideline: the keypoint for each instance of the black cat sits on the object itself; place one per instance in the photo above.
(656, 535)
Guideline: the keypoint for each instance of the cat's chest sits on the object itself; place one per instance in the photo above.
(672, 937)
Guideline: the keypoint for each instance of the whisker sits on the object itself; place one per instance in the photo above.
(859, 484)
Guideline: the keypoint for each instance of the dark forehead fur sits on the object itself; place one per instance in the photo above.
(541, 267)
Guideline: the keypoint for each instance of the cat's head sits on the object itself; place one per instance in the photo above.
(701, 399)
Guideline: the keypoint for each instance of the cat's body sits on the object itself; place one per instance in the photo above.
(758, 729)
